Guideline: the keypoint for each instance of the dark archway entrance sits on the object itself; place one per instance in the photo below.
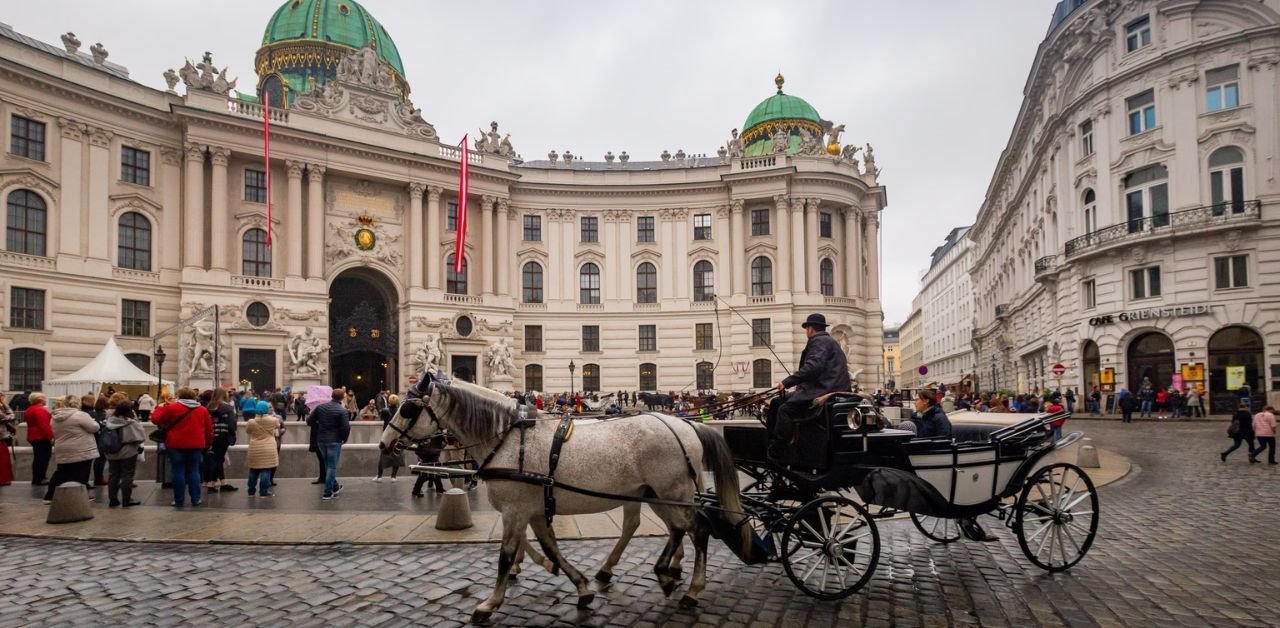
(1151, 357)
(364, 333)
(1092, 363)
(1237, 347)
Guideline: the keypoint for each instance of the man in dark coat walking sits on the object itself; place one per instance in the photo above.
(823, 369)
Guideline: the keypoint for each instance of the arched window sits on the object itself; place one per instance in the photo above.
(761, 277)
(590, 378)
(140, 360)
(1150, 358)
(648, 377)
(589, 284)
(646, 283)
(1092, 360)
(1226, 180)
(828, 277)
(532, 281)
(134, 242)
(533, 377)
(1232, 348)
(255, 257)
(26, 369)
(704, 282)
(1090, 201)
(26, 223)
(762, 373)
(455, 282)
(706, 376)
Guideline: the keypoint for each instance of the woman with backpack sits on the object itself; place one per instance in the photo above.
(224, 436)
(1240, 431)
(122, 444)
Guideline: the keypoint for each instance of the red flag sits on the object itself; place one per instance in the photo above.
(462, 211)
(266, 154)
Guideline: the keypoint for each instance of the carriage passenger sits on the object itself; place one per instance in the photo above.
(930, 419)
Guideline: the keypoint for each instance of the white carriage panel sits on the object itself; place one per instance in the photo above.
(973, 484)
(1006, 471)
(938, 478)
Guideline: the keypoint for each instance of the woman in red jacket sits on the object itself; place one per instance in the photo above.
(189, 433)
(40, 436)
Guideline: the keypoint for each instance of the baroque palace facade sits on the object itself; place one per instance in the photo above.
(131, 210)
(1131, 230)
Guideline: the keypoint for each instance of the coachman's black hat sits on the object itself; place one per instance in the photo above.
(815, 320)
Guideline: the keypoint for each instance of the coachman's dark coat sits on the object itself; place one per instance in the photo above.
(823, 369)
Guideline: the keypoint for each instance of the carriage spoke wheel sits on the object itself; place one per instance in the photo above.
(830, 548)
(937, 529)
(1057, 517)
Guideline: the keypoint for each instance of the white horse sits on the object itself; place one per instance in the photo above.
(647, 456)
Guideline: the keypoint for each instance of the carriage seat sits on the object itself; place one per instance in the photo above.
(973, 432)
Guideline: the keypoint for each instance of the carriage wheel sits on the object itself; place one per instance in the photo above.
(937, 529)
(1057, 517)
(830, 548)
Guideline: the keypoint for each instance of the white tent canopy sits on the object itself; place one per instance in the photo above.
(110, 367)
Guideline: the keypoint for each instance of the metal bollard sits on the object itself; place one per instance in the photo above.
(1087, 456)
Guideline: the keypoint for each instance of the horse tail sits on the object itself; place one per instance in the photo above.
(717, 457)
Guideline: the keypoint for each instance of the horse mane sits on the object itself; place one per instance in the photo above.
(473, 411)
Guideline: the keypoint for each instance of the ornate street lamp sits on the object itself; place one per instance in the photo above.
(159, 357)
(572, 389)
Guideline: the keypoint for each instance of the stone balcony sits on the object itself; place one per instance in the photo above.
(1209, 218)
(263, 283)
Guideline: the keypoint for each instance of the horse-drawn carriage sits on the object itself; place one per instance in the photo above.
(815, 510)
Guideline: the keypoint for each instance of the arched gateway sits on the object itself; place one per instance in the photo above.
(364, 333)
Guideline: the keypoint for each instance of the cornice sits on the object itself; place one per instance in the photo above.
(598, 191)
(52, 86)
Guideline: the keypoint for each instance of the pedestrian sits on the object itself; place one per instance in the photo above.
(75, 446)
(332, 424)
(1200, 391)
(248, 405)
(144, 407)
(393, 460)
(280, 403)
(188, 430)
(316, 396)
(1128, 403)
(96, 407)
(1071, 400)
(264, 455)
(1176, 403)
(8, 429)
(1240, 431)
(429, 454)
(122, 464)
(300, 406)
(224, 436)
(1146, 399)
(1054, 407)
(1096, 398)
(1193, 403)
(1162, 403)
(1264, 427)
(370, 412)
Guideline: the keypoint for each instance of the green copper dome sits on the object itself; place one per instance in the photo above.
(342, 22)
(781, 106)
(779, 112)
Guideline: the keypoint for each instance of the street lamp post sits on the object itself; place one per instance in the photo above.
(160, 456)
(573, 391)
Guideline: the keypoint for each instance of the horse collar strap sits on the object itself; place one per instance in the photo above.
(563, 431)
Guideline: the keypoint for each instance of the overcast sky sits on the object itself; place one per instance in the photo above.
(934, 85)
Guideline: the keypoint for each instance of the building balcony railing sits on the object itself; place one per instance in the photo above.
(648, 307)
(141, 276)
(264, 283)
(844, 301)
(703, 305)
(28, 261)
(590, 307)
(1002, 310)
(533, 307)
(760, 300)
(254, 110)
(1046, 264)
(465, 299)
(1166, 224)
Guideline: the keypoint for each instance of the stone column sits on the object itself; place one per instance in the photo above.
(315, 221)
(551, 281)
(669, 280)
(737, 246)
(220, 223)
(487, 253)
(434, 273)
(415, 234)
(873, 256)
(170, 228)
(811, 237)
(504, 262)
(99, 189)
(193, 208)
(782, 276)
(293, 217)
(797, 252)
(70, 194)
(724, 258)
(852, 253)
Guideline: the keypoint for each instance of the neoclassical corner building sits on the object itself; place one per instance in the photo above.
(131, 209)
(1132, 227)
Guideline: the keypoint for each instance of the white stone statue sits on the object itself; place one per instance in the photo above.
(833, 134)
(305, 353)
(200, 348)
(501, 364)
(429, 356)
(781, 142)
(171, 79)
(70, 42)
(99, 52)
(734, 145)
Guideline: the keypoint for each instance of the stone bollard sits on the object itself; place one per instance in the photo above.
(70, 504)
(1087, 455)
(455, 510)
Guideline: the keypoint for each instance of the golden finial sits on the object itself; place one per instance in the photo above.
(778, 80)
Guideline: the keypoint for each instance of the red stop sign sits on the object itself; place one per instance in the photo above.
(1059, 369)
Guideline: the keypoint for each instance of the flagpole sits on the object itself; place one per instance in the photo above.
(463, 185)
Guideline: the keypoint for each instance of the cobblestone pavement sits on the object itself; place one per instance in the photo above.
(1184, 540)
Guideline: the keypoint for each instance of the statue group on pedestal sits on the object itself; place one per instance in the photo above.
(306, 353)
(501, 362)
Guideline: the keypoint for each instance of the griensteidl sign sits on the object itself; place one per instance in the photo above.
(1175, 311)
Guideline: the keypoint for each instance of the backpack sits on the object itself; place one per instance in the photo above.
(110, 441)
(1233, 430)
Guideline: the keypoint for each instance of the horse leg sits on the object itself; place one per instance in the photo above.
(539, 559)
(700, 536)
(674, 567)
(630, 521)
(512, 533)
(547, 538)
(663, 567)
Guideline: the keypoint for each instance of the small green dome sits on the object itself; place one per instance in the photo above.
(779, 112)
(342, 22)
(781, 106)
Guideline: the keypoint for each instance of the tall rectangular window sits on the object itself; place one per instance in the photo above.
(590, 229)
(532, 228)
(590, 338)
(135, 166)
(533, 338)
(135, 318)
(1147, 198)
(1231, 272)
(760, 222)
(761, 373)
(644, 229)
(451, 216)
(26, 138)
(702, 226)
(824, 224)
(1145, 282)
(26, 308)
(1089, 293)
(1137, 35)
(255, 186)
(1086, 138)
(761, 332)
(1142, 112)
(26, 369)
(1226, 180)
(1222, 88)
(648, 338)
(703, 337)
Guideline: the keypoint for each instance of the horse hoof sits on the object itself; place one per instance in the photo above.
(688, 602)
(584, 601)
(668, 588)
(481, 617)
(554, 569)
(677, 573)
(604, 576)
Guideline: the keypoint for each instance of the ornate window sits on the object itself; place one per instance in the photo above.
(761, 373)
(135, 318)
(824, 224)
(134, 242)
(26, 369)
(532, 282)
(1142, 112)
(1226, 180)
(1086, 138)
(589, 284)
(135, 166)
(704, 283)
(532, 228)
(1231, 271)
(702, 226)
(254, 255)
(1090, 212)
(1089, 293)
(257, 314)
(590, 229)
(1137, 34)
(1147, 198)
(644, 229)
(760, 222)
(533, 377)
(590, 378)
(451, 216)
(26, 308)
(705, 378)
(1222, 88)
(26, 138)
(648, 377)
(827, 277)
(255, 186)
(455, 282)
(646, 283)
(26, 224)
(1145, 282)
(761, 277)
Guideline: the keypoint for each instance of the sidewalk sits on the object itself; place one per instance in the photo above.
(366, 513)
(1212, 418)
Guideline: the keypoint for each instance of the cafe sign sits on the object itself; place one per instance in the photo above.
(1152, 313)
